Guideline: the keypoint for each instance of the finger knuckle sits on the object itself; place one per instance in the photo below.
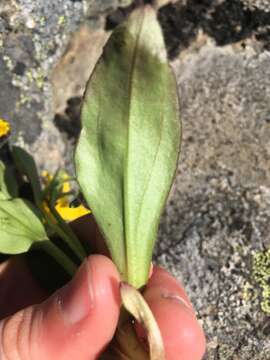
(15, 333)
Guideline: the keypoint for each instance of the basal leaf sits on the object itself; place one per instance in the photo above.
(20, 226)
(8, 184)
(129, 144)
(4, 194)
(26, 165)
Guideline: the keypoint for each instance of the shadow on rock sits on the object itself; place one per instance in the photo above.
(227, 22)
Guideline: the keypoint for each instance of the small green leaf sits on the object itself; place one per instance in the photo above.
(128, 149)
(26, 165)
(20, 226)
(4, 194)
(8, 184)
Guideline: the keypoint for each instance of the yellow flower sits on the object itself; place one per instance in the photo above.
(69, 213)
(63, 204)
(4, 128)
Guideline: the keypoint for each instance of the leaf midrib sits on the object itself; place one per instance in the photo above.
(126, 160)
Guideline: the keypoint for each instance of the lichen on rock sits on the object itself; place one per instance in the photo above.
(261, 275)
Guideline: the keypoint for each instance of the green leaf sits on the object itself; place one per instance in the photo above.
(8, 184)
(26, 165)
(128, 148)
(20, 226)
(4, 194)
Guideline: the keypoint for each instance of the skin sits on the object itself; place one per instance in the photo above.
(79, 320)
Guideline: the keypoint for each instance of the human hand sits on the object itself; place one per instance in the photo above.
(79, 320)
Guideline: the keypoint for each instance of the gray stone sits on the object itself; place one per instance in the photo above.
(226, 22)
(33, 36)
(8, 93)
(207, 237)
(225, 109)
(99, 7)
(257, 4)
(218, 213)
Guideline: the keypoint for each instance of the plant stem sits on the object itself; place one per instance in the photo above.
(59, 256)
(67, 235)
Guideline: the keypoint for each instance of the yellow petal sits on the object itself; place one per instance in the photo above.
(4, 128)
(70, 214)
(62, 205)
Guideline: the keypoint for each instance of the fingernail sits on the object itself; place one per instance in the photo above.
(76, 299)
(178, 299)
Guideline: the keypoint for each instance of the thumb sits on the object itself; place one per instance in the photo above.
(77, 322)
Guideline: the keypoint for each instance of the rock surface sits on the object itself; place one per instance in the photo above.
(218, 212)
(33, 36)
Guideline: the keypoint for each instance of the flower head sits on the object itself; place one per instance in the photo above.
(4, 128)
(62, 205)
